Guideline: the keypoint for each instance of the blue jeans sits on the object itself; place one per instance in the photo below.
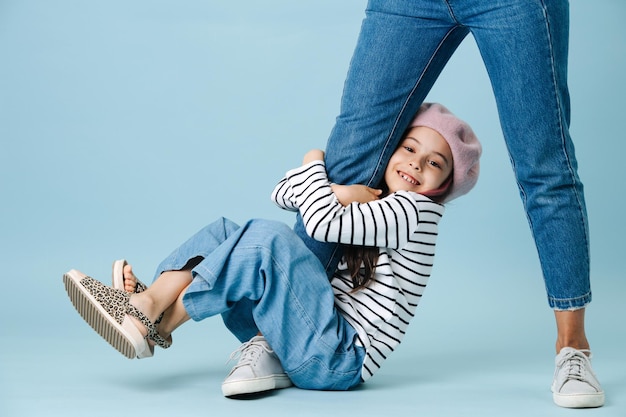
(261, 277)
(403, 47)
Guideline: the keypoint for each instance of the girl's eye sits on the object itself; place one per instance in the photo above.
(408, 148)
(435, 164)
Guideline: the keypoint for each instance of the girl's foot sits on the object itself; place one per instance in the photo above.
(141, 306)
(110, 313)
(161, 303)
(130, 280)
(144, 303)
(124, 279)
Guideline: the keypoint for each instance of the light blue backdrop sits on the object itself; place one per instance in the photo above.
(127, 125)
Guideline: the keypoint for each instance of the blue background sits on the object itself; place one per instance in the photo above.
(125, 126)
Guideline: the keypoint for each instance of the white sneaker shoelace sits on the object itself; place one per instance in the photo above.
(573, 363)
(248, 353)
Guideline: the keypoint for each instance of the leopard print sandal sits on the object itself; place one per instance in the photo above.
(106, 309)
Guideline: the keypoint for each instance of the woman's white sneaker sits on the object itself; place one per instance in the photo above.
(575, 385)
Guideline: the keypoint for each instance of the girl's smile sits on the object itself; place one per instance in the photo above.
(408, 178)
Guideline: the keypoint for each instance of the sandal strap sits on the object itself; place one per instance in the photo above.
(140, 287)
(159, 340)
(153, 333)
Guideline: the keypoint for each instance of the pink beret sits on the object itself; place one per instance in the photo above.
(465, 147)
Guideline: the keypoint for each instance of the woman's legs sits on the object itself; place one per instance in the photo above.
(527, 63)
(571, 329)
(524, 48)
(401, 50)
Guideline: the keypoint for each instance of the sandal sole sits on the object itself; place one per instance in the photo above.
(124, 338)
(118, 275)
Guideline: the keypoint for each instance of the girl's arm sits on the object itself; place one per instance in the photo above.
(283, 193)
(283, 196)
(358, 193)
(388, 222)
(346, 194)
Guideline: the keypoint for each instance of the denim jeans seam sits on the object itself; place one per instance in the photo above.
(301, 310)
(380, 164)
(561, 119)
(341, 374)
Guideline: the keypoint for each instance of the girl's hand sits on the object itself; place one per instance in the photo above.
(347, 194)
(313, 155)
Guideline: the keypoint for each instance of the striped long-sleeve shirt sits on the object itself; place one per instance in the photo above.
(403, 225)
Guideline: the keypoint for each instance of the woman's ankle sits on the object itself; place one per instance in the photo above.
(571, 330)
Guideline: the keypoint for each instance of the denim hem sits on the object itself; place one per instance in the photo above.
(569, 304)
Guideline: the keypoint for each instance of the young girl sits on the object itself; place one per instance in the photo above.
(271, 290)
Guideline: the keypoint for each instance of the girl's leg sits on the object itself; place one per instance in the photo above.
(265, 278)
(260, 277)
(164, 297)
(174, 276)
(174, 316)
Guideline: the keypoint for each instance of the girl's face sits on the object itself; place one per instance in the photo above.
(422, 162)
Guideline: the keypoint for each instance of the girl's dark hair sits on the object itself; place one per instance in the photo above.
(361, 260)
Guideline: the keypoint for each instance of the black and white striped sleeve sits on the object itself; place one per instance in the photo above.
(388, 222)
(282, 196)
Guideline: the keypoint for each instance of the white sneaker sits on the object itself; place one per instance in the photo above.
(575, 385)
(257, 370)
